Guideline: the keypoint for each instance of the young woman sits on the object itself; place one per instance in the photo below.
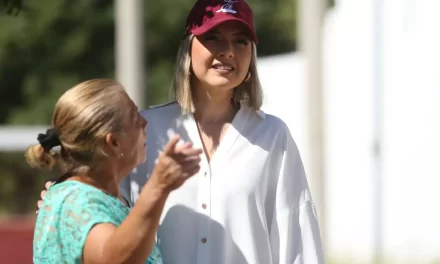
(84, 218)
(250, 202)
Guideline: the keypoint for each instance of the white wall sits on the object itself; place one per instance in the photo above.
(348, 81)
(401, 55)
(412, 128)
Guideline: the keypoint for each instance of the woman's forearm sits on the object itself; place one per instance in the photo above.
(134, 239)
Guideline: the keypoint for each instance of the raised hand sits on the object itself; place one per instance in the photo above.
(176, 164)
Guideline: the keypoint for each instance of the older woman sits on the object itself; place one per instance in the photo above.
(84, 219)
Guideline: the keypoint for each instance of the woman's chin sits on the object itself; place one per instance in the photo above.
(222, 83)
(142, 159)
(142, 155)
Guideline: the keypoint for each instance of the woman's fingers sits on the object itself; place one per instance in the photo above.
(186, 145)
(189, 160)
(42, 194)
(171, 145)
(192, 171)
(187, 154)
(191, 151)
(48, 184)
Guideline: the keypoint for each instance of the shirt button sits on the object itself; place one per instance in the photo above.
(203, 240)
(204, 206)
(206, 173)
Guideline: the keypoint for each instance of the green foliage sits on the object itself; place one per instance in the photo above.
(12, 7)
(47, 48)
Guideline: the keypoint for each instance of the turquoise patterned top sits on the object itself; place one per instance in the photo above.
(69, 210)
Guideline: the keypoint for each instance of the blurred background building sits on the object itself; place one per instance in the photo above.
(357, 83)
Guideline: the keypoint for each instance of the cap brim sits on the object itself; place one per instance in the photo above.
(213, 23)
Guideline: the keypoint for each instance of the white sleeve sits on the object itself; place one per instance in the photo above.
(294, 234)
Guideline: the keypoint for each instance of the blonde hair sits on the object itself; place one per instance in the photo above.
(249, 90)
(82, 118)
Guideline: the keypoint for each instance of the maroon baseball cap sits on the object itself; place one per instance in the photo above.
(207, 14)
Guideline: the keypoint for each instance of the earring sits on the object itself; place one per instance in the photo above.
(122, 155)
(248, 76)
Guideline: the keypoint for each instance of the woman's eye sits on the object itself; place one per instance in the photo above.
(210, 37)
(243, 41)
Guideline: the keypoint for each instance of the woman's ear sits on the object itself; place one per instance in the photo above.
(113, 144)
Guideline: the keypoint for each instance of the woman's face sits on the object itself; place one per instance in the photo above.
(133, 143)
(220, 58)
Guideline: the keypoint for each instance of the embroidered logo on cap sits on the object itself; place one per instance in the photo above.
(227, 8)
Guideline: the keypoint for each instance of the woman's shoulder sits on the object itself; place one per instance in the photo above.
(73, 203)
(65, 191)
(75, 195)
(71, 189)
(168, 109)
(274, 121)
(268, 131)
(70, 209)
(268, 123)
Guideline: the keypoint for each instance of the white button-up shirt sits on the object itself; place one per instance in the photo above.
(250, 204)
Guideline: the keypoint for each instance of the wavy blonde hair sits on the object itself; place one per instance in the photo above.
(249, 90)
(83, 116)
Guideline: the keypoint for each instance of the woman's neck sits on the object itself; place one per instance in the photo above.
(213, 106)
(105, 179)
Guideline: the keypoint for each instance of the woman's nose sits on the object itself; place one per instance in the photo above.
(226, 49)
